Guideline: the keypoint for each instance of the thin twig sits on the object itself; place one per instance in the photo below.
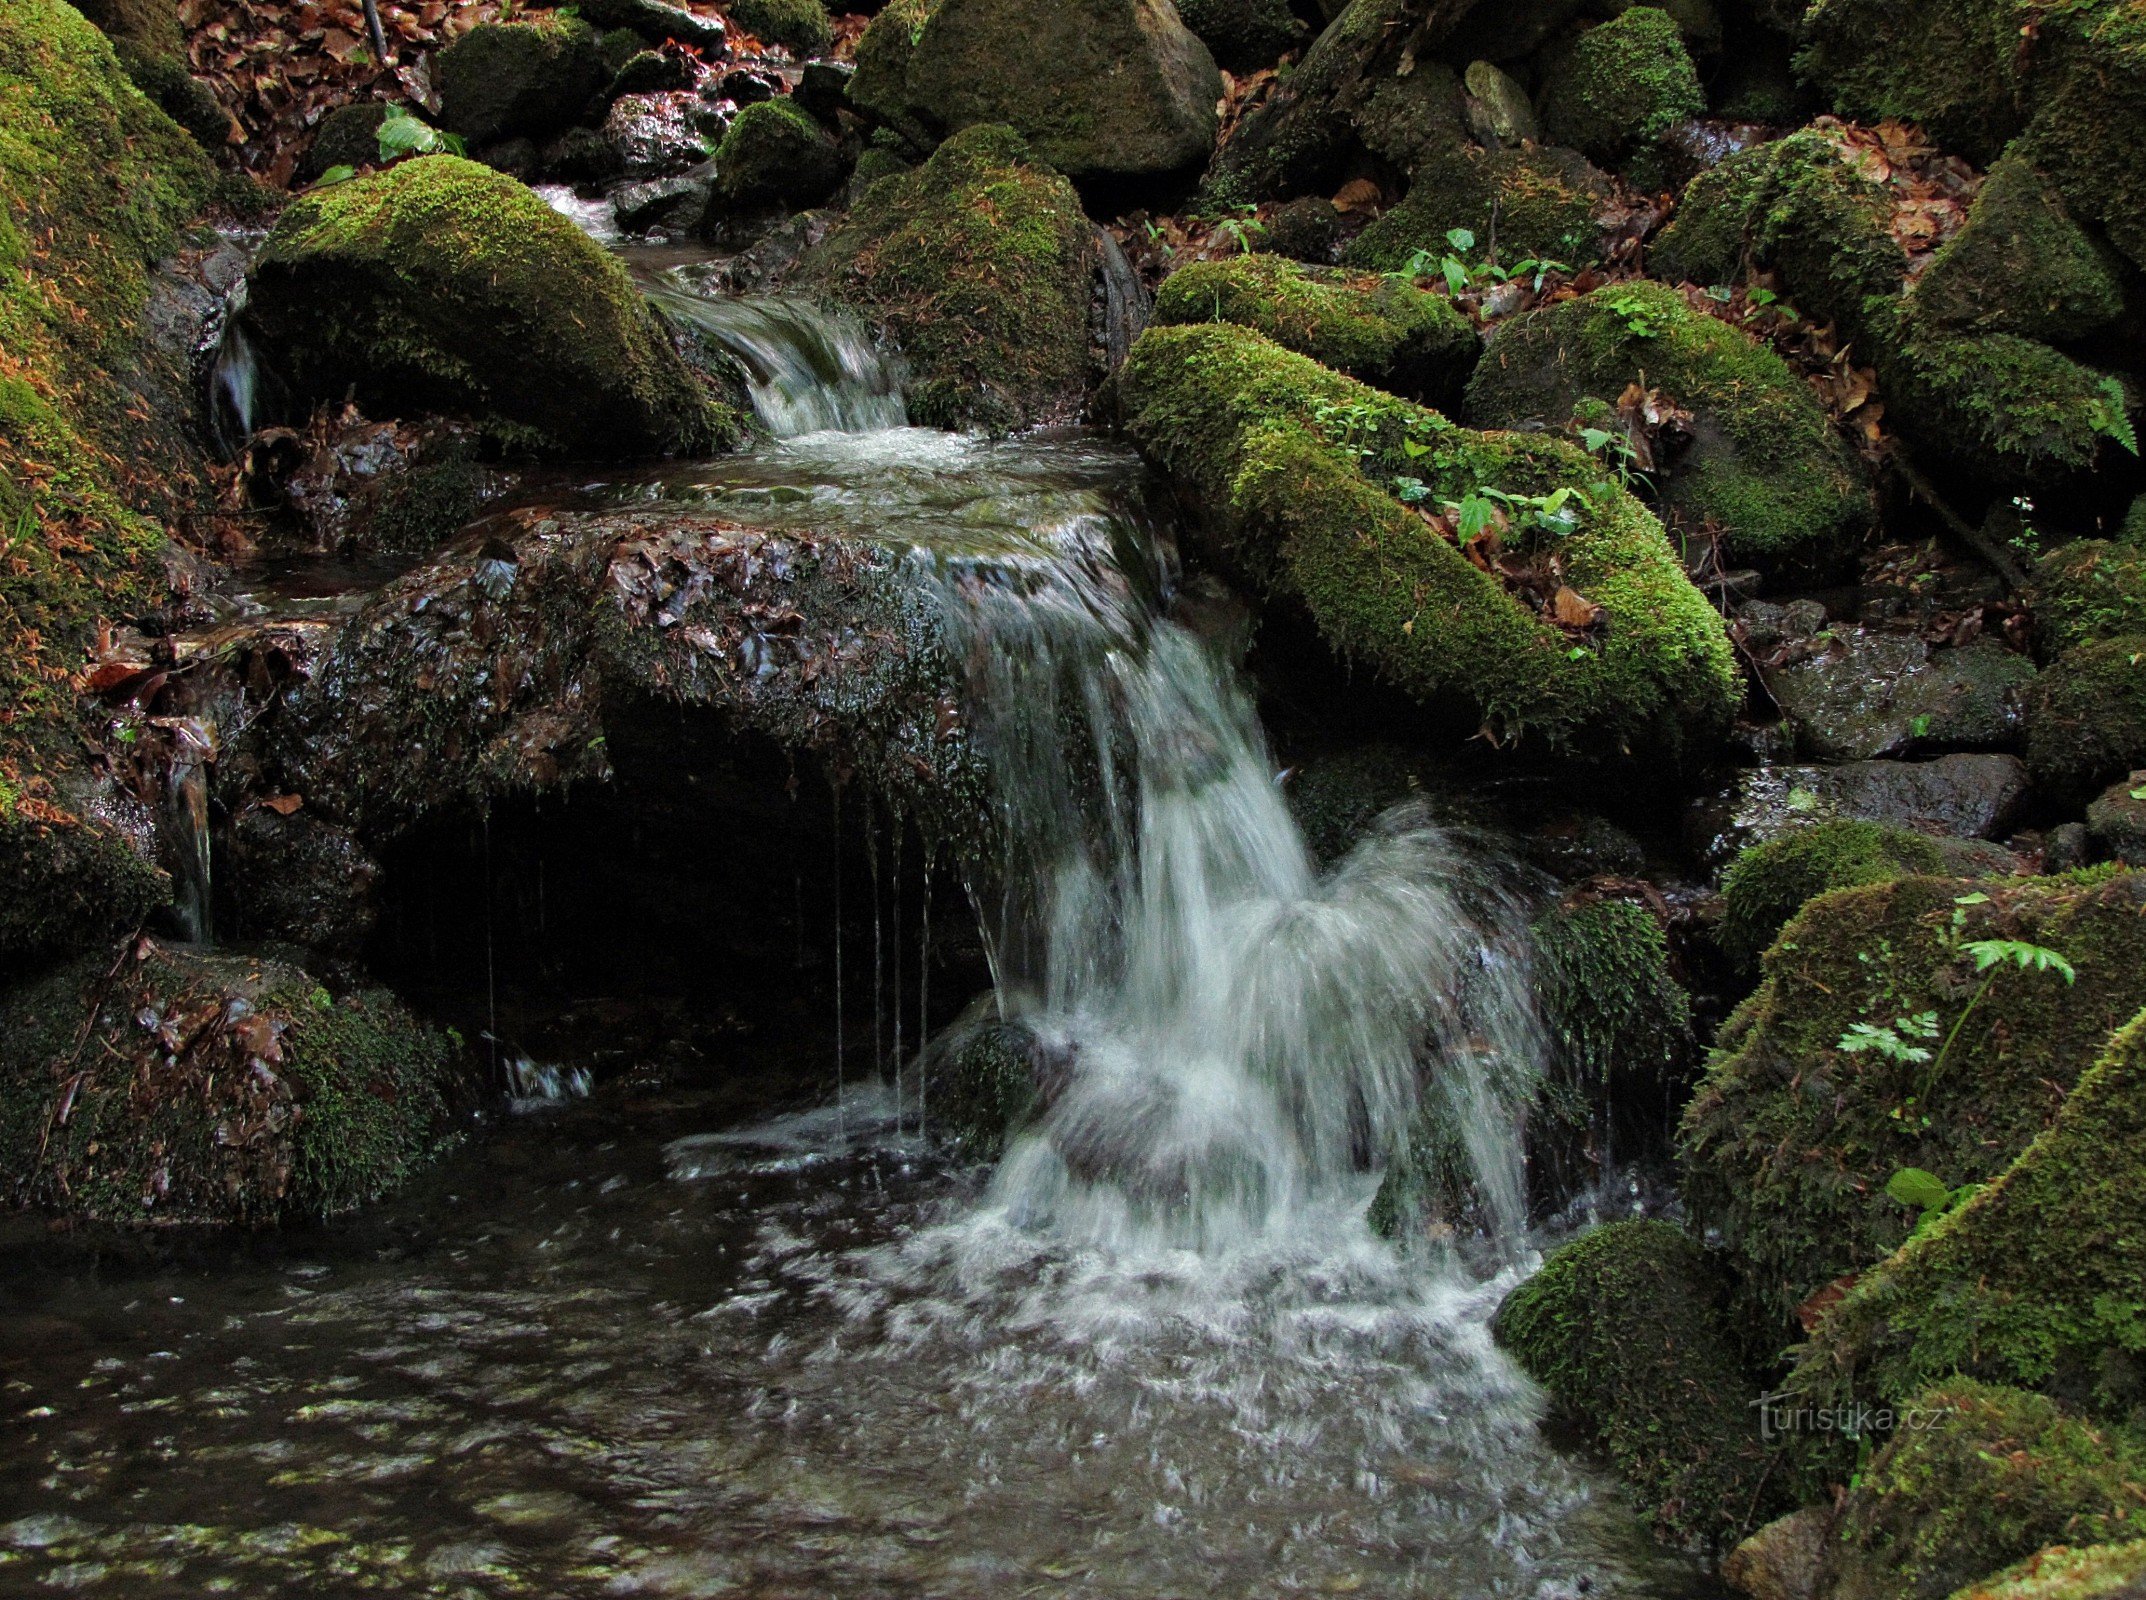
(1999, 558)
(372, 25)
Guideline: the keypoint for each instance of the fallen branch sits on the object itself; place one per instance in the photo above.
(372, 25)
(1999, 559)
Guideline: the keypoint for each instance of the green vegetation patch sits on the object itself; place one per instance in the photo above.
(1769, 883)
(1622, 85)
(1533, 201)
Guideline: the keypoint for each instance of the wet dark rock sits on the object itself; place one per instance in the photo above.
(776, 156)
(582, 155)
(1782, 1561)
(1970, 796)
(743, 88)
(823, 89)
(367, 487)
(76, 868)
(516, 157)
(651, 72)
(528, 79)
(656, 21)
(1582, 844)
(654, 135)
(1854, 694)
(2067, 847)
(2117, 820)
(674, 205)
(181, 1085)
(299, 879)
(1304, 230)
(348, 136)
(986, 1077)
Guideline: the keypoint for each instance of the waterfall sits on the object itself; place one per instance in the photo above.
(1230, 1037)
(809, 370)
(234, 391)
(186, 821)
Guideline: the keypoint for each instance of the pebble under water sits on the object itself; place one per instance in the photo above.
(670, 1339)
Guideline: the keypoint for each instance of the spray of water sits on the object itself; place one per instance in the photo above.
(809, 370)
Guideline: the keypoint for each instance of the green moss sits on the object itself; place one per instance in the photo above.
(1795, 206)
(66, 881)
(977, 264)
(439, 285)
(1978, 72)
(1533, 201)
(2006, 407)
(1984, 1476)
(1622, 85)
(983, 1084)
(1602, 975)
(206, 1087)
(773, 155)
(523, 79)
(2039, 1281)
(1769, 883)
(2061, 1572)
(182, 96)
(1629, 1329)
(1790, 1140)
(798, 25)
(2021, 265)
(1766, 470)
(1383, 330)
(2086, 715)
(1294, 469)
(2087, 590)
(413, 513)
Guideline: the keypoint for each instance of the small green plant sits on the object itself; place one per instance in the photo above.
(1244, 229)
(1632, 311)
(1461, 275)
(1926, 1192)
(1893, 1040)
(2108, 414)
(1992, 956)
(1615, 447)
(402, 134)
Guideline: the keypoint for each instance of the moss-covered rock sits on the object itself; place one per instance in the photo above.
(978, 265)
(96, 184)
(1978, 72)
(1765, 470)
(2066, 1572)
(1976, 1478)
(2038, 1281)
(1803, 1117)
(776, 155)
(982, 1081)
(1298, 472)
(2089, 589)
(526, 79)
(1381, 329)
(1629, 1329)
(1533, 201)
(1622, 85)
(180, 1085)
(797, 25)
(2086, 715)
(2021, 265)
(2133, 532)
(1769, 883)
(439, 285)
(348, 136)
(1244, 34)
(2117, 820)
(1100, 88)
(1608, 996)
(1795, 206)
(2006, 408)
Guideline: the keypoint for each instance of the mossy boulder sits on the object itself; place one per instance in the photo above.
(2066, 79)
(1630, 1330)
(2117, 820)
(800, 26)
(1795, 206)
(2037, 1281)
(527, 79)
(1244, 34)
(1769, 883)
(1802, 1117)
(981, 1080)
(1101, 88)
(439, 285)
(1622, 85)
(1765, 470)
(179, 1085)
(1975, 1478)
(348, 136)
(1535, 200)
(776, 155)
(1296, 473)
(96, 185)
(978, 264)
(2086, 715)
(2087, 590)
(2133, 532)
(1613, 1006)
(2022, 265)
(1381, 329)
(2067, 1572)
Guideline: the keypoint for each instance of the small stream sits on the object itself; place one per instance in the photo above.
(697, 1339)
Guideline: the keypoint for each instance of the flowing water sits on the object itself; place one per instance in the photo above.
(654, 1342)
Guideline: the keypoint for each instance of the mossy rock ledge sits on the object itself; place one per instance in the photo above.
(1292, 468)
(178, 1085)
(1801, 1121)
(978, 265)
(439, 285)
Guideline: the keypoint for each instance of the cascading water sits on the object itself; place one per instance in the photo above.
(234, 390)
(809, 371)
